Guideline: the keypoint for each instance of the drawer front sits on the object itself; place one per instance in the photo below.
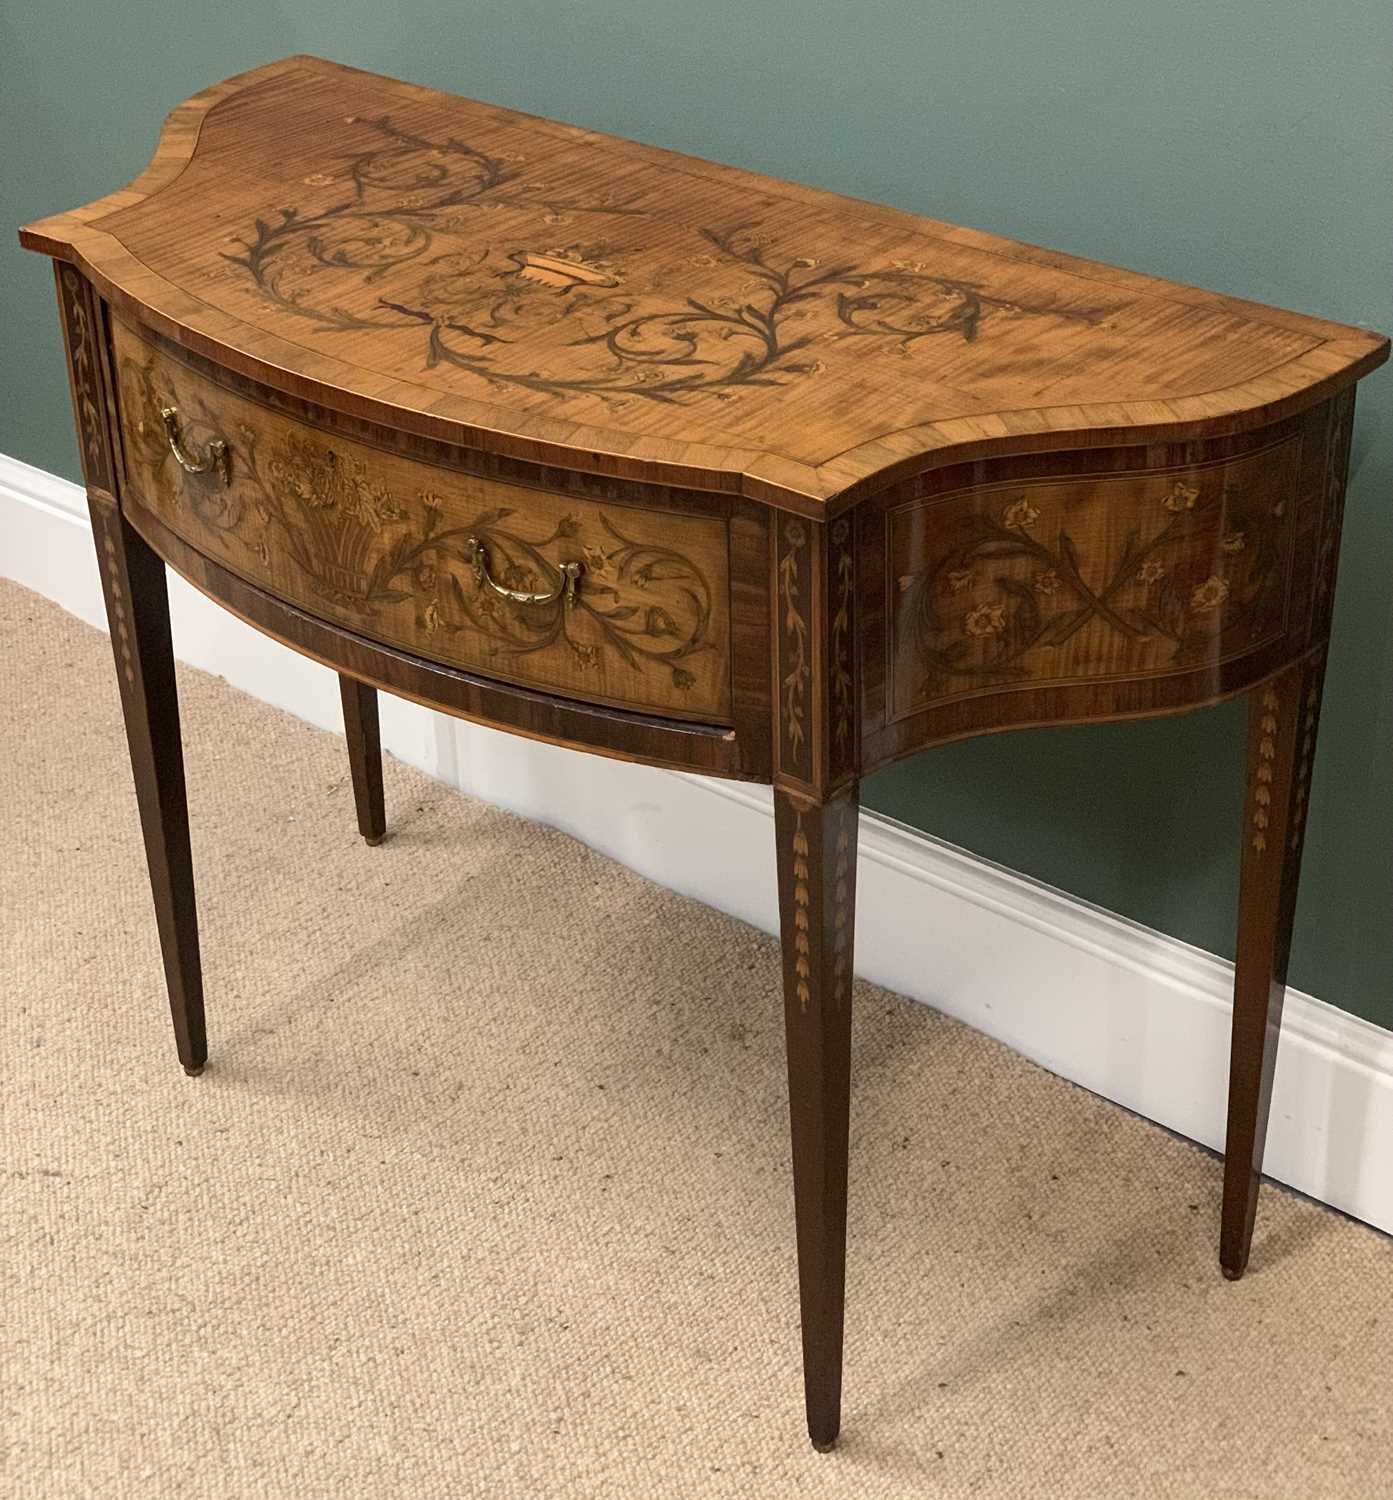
(391, 547)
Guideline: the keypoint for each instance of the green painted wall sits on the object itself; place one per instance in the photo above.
(1245, 146)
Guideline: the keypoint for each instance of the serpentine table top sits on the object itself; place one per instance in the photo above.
(664, 460)
(566, 295)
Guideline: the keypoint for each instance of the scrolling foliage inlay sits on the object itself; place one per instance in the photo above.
(86, 384)
(368, 540)
(409, 246)
(795, 666)
(1110, 575)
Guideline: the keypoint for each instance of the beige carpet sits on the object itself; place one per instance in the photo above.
(485, 1190)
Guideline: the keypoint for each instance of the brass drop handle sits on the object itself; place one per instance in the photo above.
(566, 589)
(216, 457)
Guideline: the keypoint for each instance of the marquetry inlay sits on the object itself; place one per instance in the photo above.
(382, 543)
(76, 311)
(1031, 583)
(794, 585)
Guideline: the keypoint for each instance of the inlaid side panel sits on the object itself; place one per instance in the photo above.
(1037, 582)
(1103, 583)
(1339, 429)
(384, 544)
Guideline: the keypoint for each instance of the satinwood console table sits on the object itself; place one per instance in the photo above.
(668, 461)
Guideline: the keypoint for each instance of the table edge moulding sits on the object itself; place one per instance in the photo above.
(669, 461)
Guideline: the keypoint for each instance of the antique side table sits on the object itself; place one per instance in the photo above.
(663, 460)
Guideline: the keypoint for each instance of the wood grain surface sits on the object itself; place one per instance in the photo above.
(1098, 576)
(434, 260)
(1100, 584)
(382, 543)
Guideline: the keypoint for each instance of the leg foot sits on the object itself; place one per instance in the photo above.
(360, 729)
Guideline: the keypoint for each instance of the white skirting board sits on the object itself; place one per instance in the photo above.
(1132, 1014)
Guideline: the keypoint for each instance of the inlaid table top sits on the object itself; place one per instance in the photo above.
(551, 287)
(662, 460)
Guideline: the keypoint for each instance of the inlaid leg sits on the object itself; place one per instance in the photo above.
(817, 902)
(364, 756)
(137, 607)
(1283, 716)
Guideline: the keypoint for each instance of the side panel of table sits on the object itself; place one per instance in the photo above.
(1112, 583)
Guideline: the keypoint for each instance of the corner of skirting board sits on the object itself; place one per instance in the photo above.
(1127, 1012)
(46, 539)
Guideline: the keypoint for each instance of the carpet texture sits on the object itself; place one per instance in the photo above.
(485, 1190)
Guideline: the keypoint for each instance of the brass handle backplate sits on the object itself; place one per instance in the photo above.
(216, 456)
(565, 590)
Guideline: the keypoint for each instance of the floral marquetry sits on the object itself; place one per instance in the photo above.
(1269, 722)
(76, 308)
(422, 555)
(794, 575)
(844, 749)
(1105, 576)
(413, 227)
(526, 277)
(819, 871)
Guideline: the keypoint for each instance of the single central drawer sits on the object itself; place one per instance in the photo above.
(629, 604)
